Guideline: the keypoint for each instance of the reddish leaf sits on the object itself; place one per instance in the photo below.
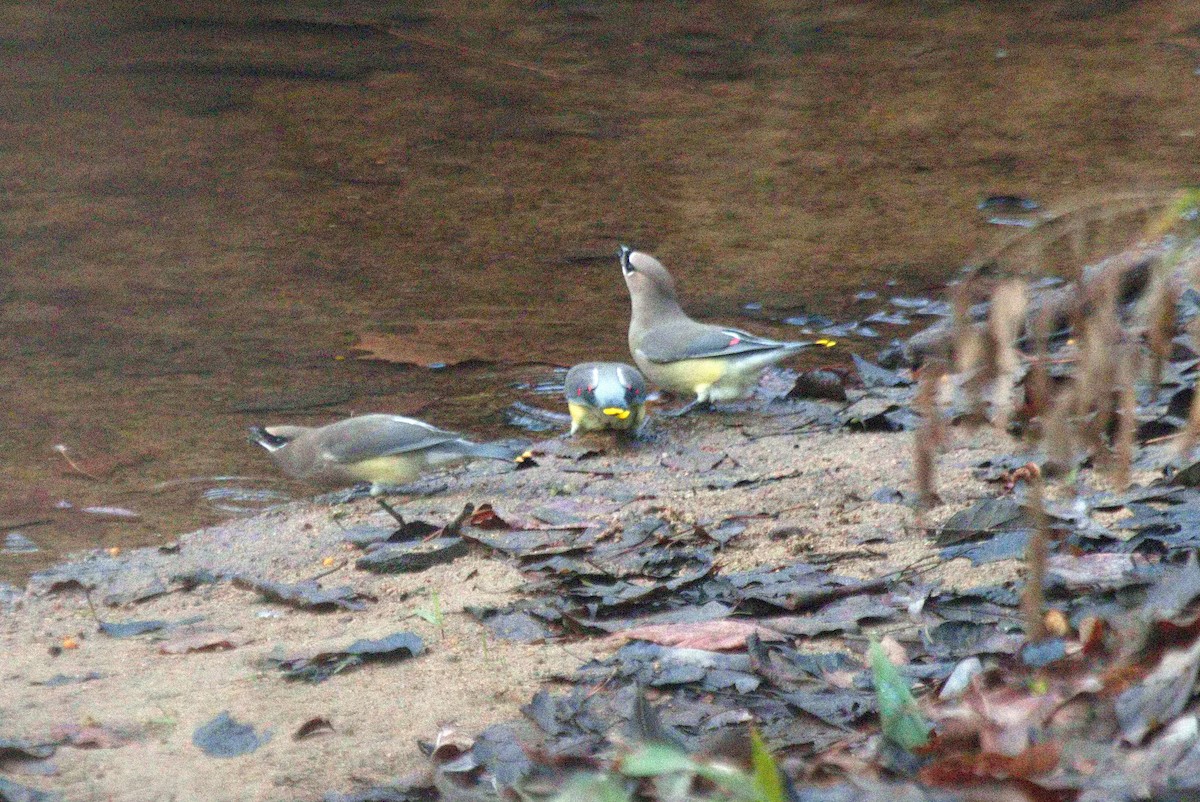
(1037, 760)
(200, 642)
(486, 518)
(314, 726)
(713, 636)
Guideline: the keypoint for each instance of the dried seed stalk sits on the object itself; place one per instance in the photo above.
(1006, 319)
(930, 435)
(1186, 440)
(973, 355)
(1037, 554)
(1037, 381)
(1122, 467)
(1100, 333)
(1160, 325)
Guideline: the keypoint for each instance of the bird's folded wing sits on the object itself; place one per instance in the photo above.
(380, 438)
(673, 342)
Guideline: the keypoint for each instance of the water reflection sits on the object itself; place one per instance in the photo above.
(207, 206)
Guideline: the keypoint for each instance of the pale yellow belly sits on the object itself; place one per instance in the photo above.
(708, 379)
(589, 419)
(393, 470)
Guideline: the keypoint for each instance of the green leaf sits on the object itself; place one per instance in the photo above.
(767, 779)
(903, 724)
(593, 788)
(654, 759)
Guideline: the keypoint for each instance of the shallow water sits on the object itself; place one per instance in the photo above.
(206, 208)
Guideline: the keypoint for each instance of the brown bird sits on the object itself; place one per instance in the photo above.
(684, 356)
(384, 450)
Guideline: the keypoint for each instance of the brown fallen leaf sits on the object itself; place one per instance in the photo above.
(957, 770)
(713, 636)
(317, 725)
(201, 642)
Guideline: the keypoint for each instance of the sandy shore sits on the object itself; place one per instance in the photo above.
(802, 496)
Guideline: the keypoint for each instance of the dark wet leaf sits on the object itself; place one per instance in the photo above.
(957, 639)
(410, 558)
(1173, 593)
(306, 595)
(24, 749)
(59, 680)
(319, 725)
(1008, 204)
(15, 792)
(190, 580)
(130, 629)
(1043, 653)
(889, 495)
(821, 384)
(1111, 501)
(321, 666)
(517, 625)
(1187, 476)
(890, 318)
(499, 752)
(1161, 696)
(387, 793)
(985, 517)
(364, 536)
(1094, 571)
(1001, 546)
(879, 415)
(841, 708)
(225, 737)
(843, 615)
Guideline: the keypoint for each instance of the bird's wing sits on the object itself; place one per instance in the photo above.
(373, 436)
(673, 342)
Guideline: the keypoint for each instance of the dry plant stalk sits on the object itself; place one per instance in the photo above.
(1037, 554)
(1099, 330)
(1160, 325)
(1037, 382)
(930, 435)
(1059, 434)
(973, 355)
(1127, 371)
(1186, 440)
(1006, 319)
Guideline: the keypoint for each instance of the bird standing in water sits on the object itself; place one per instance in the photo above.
(683, 356)
(605, 395)
(384, 450)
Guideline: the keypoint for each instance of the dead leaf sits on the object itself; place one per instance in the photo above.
(1037, 760)
(486, 518)
(201, 642)
(712, 636)
(317, 725)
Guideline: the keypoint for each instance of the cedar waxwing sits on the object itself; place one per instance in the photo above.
(683, 356)
(605, 395)
(385, 450)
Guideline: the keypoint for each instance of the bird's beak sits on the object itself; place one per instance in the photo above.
(620, 413)
(623, 253)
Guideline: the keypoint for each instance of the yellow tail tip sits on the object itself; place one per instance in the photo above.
(616, 412)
